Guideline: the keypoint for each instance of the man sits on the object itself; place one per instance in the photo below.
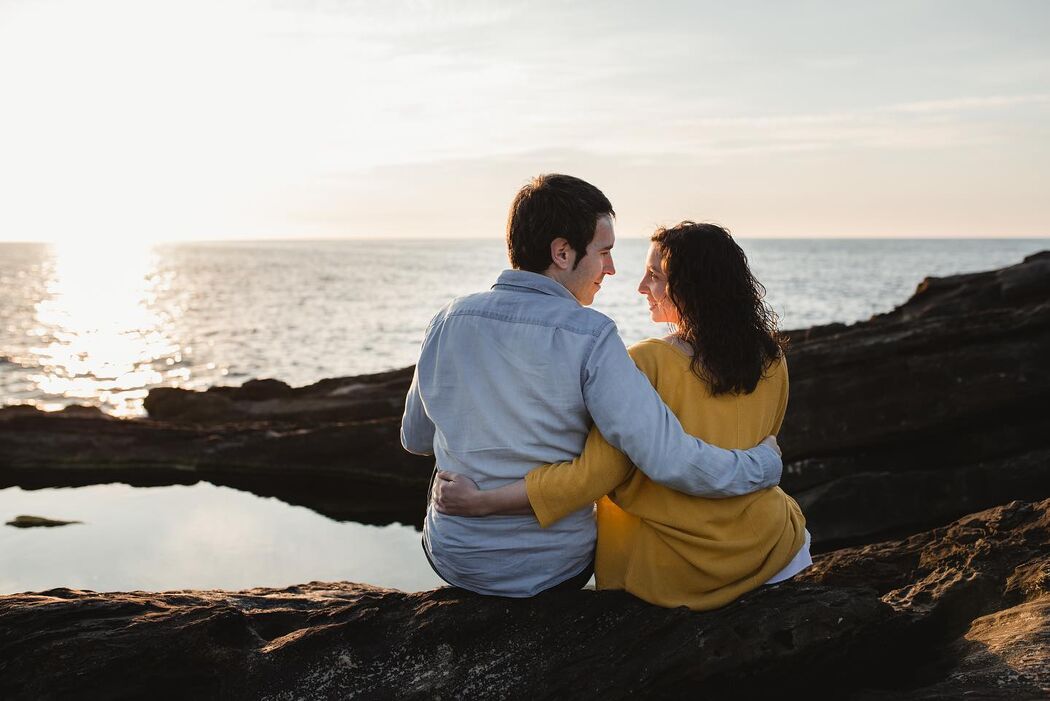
(512, 378)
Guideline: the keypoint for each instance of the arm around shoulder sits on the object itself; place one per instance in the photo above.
(631, 415)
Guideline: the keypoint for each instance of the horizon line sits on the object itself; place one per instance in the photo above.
(332, 239)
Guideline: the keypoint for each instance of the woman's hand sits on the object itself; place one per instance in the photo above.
(458, 495)
(771, 441)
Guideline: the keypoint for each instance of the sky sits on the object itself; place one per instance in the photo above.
(137, 120)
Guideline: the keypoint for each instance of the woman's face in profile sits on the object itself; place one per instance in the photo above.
(654, 287)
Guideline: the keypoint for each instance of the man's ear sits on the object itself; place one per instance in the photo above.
(562, 254)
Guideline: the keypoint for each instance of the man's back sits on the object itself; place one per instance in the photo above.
(501, 377)
(510, 379)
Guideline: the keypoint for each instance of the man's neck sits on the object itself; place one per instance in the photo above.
(555, 274)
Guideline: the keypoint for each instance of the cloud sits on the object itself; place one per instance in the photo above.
(965, 104)
(235, 116)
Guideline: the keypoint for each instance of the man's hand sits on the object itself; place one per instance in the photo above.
(458, 495)
(771, 441)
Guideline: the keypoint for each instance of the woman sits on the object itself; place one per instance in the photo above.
(722, 371)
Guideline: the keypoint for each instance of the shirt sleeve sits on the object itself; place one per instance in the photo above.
(557, 490)
(417, 430)
(632, 417)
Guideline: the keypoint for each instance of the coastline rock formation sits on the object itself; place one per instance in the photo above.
(311, 448)
(896, 424)
(934, 410)
(962, 610)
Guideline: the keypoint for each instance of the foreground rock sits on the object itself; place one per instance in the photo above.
(37, 522)
(896, 424)
(962, 609)
(984, 582)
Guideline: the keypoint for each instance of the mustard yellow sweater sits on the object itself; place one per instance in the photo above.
(663, 546)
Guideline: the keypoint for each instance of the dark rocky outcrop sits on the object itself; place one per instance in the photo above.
(344, 470)
(982, 582)
(958, 611)
(344, 399)
(929, 412)
(896, 424)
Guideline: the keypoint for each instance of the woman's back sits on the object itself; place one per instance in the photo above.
(673, 549)
(728, 421)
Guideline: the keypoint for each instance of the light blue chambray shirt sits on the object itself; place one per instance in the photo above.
(510, 379)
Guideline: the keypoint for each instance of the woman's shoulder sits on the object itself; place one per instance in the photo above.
(774, 379)
(659, 348)
(658, 358)
(777, 368)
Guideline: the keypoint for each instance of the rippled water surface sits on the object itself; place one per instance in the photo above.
(103, 325)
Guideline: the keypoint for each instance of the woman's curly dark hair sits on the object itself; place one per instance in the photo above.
(732, 331)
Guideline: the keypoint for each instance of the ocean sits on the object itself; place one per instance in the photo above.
(103, 325)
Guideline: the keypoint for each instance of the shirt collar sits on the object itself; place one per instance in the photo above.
(533, 281)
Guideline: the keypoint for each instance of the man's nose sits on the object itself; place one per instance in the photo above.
(609, 268)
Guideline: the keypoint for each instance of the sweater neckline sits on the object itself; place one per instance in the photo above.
(675, 348)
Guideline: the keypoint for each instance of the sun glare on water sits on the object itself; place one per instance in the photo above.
(99, 339)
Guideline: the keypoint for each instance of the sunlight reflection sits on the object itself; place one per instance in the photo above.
(102, 342)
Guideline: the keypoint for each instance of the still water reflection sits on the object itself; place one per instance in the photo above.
(196, 537)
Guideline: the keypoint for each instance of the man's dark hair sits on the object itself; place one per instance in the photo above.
(550, 207)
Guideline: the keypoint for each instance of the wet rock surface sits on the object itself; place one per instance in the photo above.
(25, 521)
(958, 611)
(895, 425)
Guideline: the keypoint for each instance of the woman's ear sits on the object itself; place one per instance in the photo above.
(562, 254)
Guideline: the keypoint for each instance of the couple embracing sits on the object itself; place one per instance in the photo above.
(535, 411)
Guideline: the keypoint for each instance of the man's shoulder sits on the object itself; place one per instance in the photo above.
(509, 306)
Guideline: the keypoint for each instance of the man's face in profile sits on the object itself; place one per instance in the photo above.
(585, 281)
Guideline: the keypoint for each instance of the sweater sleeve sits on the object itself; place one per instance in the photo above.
(557, 490)
(782, 402)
